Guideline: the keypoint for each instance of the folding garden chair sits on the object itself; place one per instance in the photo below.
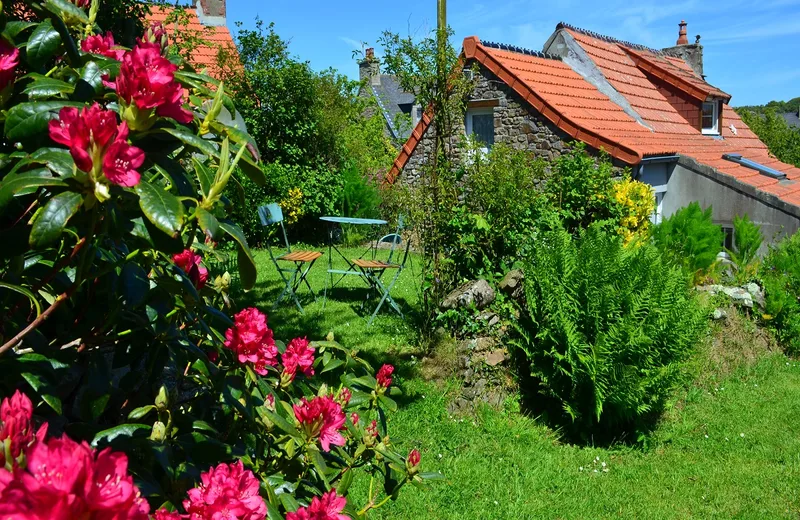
(293, 276)
(373, 270)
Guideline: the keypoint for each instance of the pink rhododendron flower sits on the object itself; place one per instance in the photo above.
(82, 3)
(227, 491)
(252, 341)
(15, 415)
(163, 514)
(147, 88)
(190, 263)
(327, 507)
(92, 133)
(103, 45)
(298, 355)
(270, 402)
(65, 479)
(9, 60)
(321, 417)
(384, 377)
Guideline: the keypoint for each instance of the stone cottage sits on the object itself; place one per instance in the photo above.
(651, 110)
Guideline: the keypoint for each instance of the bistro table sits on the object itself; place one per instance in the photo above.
(351, 269)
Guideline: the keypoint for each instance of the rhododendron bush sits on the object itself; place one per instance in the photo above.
(132, 387)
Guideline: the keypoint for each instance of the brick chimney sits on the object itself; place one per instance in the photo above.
(369, 69)
(210, 12)
(692, 53)
(682, 39)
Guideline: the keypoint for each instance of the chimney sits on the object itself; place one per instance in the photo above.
(370, 68)
(210, 12)
(682, 39)
(692, 53)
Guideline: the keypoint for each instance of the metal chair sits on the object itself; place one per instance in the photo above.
(373, 270)
(294, 276)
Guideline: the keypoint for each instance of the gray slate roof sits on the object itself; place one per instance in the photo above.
(792, 118)
(390, 98)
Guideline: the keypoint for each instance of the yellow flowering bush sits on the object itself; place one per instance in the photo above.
(636, 205)
(292, 205)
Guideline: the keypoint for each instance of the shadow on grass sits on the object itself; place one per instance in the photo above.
(536, 402)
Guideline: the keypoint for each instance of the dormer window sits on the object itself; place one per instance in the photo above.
(711, 118)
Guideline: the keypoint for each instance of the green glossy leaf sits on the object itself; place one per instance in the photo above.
(140, 412)
(135, 285)
(203, 426)
(252, 170)
(67, 11)
(195, 141)
(204, 175)
(25, 292)
(43, 87)
(57, 160)
(14, 28)
(208, 223)
(28, 119)
(123, 430)
(42, 44)
(161, 207)
(388, 402)
(90, 82)
(273, 513)
(344, 483)
(431, 475)
(43, 387)
(281, 423)
(247, 265)
(13, 185)
(50, 222)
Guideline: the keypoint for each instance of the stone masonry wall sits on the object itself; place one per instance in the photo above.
(516, 123)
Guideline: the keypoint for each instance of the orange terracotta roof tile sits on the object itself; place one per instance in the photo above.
(203, 56)
(575, 106)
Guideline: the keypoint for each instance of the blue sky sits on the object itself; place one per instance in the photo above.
(752, 48)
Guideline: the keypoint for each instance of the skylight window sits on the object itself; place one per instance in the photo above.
(760, 168)
(711, 118)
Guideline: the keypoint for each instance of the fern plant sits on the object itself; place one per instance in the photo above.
(780, 274)
(748, 239)
(690, 238)
(607, 327)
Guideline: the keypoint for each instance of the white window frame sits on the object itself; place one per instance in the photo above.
(714, 130)
(482, 111)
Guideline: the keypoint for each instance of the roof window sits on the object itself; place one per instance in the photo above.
(760, 168)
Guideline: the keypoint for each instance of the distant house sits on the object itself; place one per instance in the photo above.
(651, 110)
(792, 118)
(207, 20)
(398, 108)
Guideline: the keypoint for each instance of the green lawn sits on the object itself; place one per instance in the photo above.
(729, 449)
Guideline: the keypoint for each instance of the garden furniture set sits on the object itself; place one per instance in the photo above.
(293, 266)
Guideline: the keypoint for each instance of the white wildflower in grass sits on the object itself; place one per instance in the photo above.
(741, 435)
(706, 436)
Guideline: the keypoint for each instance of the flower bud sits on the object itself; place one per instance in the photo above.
(344, 396)
(159, 432)
(158, 35)
(162, 399)
(412, 461)
(354, 418)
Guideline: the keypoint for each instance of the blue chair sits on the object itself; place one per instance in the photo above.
(302, 261)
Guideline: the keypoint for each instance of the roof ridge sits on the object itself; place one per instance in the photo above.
(520, 50)
(609, 39)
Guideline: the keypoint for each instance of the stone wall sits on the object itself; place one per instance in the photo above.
(516, 123)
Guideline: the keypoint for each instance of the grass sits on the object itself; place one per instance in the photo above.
(728, 448)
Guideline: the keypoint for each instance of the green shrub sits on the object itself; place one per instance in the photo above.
(748, 239)
(780, 272)
(606, 327)
(690, 238)
(581, 188)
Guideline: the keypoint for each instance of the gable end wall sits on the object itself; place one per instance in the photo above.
(516, 123)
